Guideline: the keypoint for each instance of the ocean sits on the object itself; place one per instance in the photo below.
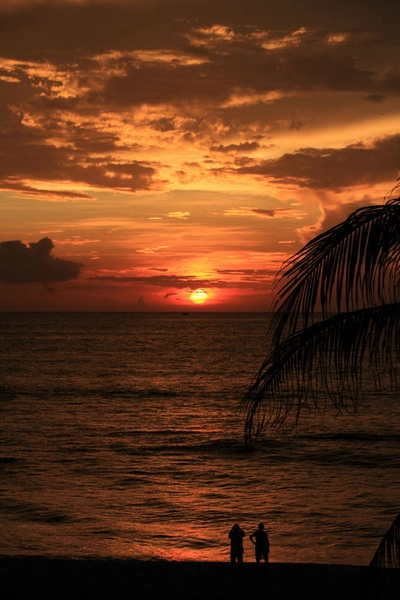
(120, 437)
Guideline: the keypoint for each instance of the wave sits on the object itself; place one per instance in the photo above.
(25, 511)
(353, 436)
(95, 393)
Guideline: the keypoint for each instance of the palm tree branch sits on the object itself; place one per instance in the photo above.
(331, 355)
(382, 577)
(353, 264)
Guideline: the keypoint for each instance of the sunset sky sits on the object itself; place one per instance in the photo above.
(170, 146)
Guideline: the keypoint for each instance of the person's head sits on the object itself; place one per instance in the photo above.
(261, 526)
(236, 526)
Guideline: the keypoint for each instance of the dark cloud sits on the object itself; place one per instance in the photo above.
(51, 29)
(246, 272)
(140, 303)
(391, 81)
(297, 124)
(26, 155)
(82, 63)
(375, 98)
(322, 70)
(33, 263)
(330, 168)
(168, 83)
(163, 124)
(265, 212)
(180, 282)
(42, 192)
(188, 282)
(244, 60)
(243, 65)
(245, 147)
(55, 149)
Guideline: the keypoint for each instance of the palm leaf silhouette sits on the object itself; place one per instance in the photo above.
(352, 265)
(328, 355)
(350, 276)
(337, 317)
(382, 578)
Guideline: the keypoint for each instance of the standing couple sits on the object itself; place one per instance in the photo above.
(259, 538)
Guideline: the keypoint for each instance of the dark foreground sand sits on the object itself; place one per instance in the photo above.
(37, 577)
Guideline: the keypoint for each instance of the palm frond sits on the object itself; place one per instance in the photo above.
(324, 362)
(351, 274)
(382, 578)
(355, 264)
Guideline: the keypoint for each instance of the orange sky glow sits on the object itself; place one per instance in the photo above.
(169, 146)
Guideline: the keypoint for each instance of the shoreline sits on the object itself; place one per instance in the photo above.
(26, 576)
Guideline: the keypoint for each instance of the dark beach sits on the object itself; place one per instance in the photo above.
(28, 577)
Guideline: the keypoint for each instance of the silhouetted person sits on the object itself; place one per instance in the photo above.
(261, 542)
(236, 536)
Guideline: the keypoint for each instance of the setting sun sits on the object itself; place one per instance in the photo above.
(198, 296)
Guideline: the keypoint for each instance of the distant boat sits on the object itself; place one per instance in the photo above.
(185, 314)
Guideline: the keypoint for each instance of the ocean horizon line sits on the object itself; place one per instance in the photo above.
(141, 312)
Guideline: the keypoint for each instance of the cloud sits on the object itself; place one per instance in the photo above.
(277, 213)
(189, 282)
(246, 272)
(180, 282)
(33, 263)
(179, 214)
(140, 303)
(151, 250)
(29, 159)
(332, 214)
(245, 147)
(163, 124)
(76, 240)
(375, 98)
(84, 105)
(331, 168)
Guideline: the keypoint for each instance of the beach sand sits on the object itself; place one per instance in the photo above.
(30, 577)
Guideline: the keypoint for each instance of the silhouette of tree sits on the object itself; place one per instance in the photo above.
(337, 315)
